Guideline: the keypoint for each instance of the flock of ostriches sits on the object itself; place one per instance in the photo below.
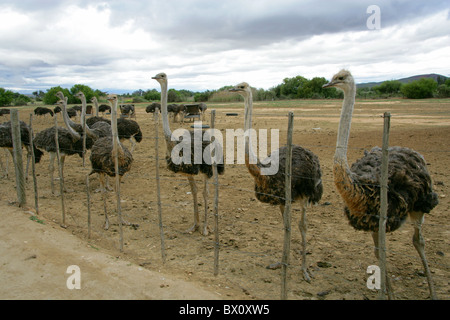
(410, 190)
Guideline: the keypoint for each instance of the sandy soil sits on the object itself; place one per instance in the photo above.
(34, 256)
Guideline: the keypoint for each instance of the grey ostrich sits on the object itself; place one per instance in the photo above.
(7, 142)
(410, 190)
(306, 182)
(69, 141)
(187, 169)
(102, 155)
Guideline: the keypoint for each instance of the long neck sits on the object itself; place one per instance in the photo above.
(94, 99)
(251, 159)
(164, 113)
(89, 132)
(340, 155)
(67, 121)
(114, 130)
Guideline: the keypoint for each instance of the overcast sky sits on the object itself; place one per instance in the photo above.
(207, 44)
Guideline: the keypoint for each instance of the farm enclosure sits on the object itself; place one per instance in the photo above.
(251, 233)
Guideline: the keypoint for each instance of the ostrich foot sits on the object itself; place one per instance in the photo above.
(206, 230)
(306, 276)
(192, 229)
(106, 225)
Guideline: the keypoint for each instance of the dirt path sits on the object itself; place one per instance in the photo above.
(34, 258)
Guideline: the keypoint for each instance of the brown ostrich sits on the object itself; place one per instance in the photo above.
(306, 182)
(102, 155)
(410, 191)
(190, 169)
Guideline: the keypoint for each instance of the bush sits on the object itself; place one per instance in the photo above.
(443, 91)
(6, 97)
(419, 89)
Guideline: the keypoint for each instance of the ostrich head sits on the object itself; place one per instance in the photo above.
(79, 95)
(242, 88)
(93, 99)
(111, 97)
(60, 95)
(160, 77)
(342, 80)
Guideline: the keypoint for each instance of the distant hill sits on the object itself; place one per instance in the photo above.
(404, 80)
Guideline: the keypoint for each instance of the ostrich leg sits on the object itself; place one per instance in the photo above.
(205, 198)
(389, 290)
(303, 227)
(101, 177)
(51, 169)
(419, 244)
(194, 195)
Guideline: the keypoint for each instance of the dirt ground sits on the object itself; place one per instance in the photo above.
(34, 256)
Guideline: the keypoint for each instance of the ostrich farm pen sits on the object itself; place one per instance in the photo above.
(37, 250)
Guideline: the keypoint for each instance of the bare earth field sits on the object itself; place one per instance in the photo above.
(34, 256)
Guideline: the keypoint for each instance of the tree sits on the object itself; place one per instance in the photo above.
(390, 87)
(88, 93)
(6, 97)
(419, 89)
(152, 95)
(50, 96)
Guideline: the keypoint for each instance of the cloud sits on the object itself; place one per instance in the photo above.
(208, 44)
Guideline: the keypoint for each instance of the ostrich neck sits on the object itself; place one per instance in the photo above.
(96, 106)
(69, 123)
(340, 156)
(251, 159)
(114, 130)
(164, 114)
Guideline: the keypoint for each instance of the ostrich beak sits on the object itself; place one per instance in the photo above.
(328, 85)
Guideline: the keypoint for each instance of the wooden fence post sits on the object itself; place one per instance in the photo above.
(61, 175)
(158, 186)
(383, 206)
(17, 155)
(33, 166)
(287, 210)
(216, 201)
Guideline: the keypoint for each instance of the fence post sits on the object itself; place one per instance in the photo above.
(115, 152)
(216, 201)
(33, 166)
(61, 175)
(17, 155)
(383, 206)
(158, 186)
(287, 210)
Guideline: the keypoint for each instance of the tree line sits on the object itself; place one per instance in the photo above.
(297, 87)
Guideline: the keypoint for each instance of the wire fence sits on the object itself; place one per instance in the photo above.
(172, 236)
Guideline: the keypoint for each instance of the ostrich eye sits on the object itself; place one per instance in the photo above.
(341, 78)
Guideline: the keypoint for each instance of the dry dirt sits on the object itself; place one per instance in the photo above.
(34, 256)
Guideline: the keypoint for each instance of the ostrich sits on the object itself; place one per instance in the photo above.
(191, 169)
(410, 191)
(97, 118)
(42, 111)
(306, 182)
(69, 141)
(127, 129)
(7, 142)
(152, 107)
(98, 129)
(102, 155)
